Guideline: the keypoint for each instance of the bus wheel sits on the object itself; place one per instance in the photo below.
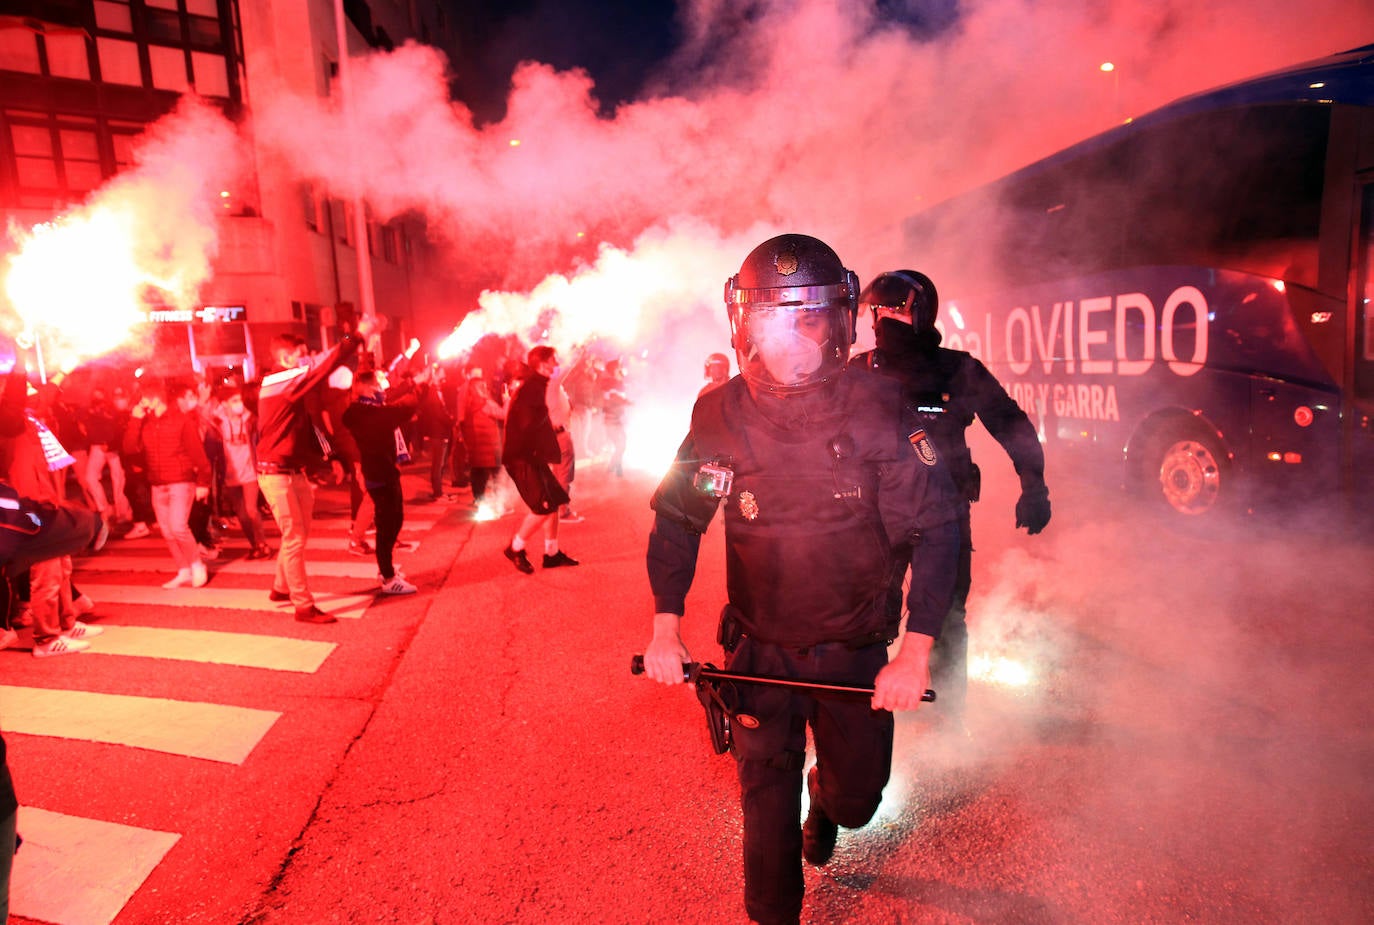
(1190, 474)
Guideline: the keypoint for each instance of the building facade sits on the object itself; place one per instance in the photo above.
(80, 81)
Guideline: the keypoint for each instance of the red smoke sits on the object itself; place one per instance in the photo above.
(812, 116)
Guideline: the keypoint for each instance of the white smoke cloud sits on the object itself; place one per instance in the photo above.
(77, 284)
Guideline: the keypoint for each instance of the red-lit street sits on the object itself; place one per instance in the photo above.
(1167, 726)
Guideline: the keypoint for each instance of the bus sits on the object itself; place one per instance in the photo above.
(1186, 296)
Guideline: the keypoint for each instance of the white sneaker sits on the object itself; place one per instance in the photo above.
(180, 580)
(138, 531)
(81, 630)
(8, 637)
(60, 646)
(199, 575)
(397, 585)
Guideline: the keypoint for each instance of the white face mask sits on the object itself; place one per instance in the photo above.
(782, 342)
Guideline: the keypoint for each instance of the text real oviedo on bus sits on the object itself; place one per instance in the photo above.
(1107, 336)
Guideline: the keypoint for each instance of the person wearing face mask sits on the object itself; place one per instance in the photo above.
(287, 447)
(166, 430)
(822, 475)
(530, 451)
(136, 487)
(237, 427)
(949, 388)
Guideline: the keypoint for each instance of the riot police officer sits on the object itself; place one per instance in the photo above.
(820, 476)
(716, 372)
(948, 389)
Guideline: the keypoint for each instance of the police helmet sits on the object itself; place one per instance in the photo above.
(903, 294)
(792, 309)
(717, 366)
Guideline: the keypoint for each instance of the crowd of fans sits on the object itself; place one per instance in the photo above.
(180, 457)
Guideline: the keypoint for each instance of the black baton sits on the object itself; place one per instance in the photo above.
(692, 671)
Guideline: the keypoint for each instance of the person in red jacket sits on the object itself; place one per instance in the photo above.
(38, 531)
(166, 430)
(287, 445)
(482, 417)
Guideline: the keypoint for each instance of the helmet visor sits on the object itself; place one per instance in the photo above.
(791, 347)
(900, 313)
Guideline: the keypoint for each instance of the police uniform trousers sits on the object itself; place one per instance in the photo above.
(853, 746)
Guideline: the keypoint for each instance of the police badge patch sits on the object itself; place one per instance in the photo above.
(925, 450)
(748, 505)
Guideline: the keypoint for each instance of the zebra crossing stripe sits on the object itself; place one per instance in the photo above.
(211, 731)
(246, 650)
(350, 606)
(77, 871)
(106, 562)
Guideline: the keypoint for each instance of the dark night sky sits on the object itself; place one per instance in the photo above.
(616, 41)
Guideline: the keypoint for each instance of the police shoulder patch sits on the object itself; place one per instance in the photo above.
(925, 450)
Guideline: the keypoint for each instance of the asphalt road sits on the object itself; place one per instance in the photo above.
(1169, 723)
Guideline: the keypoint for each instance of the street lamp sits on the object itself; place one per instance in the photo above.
(1108, 67)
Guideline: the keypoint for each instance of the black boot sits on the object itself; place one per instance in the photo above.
(818, 832)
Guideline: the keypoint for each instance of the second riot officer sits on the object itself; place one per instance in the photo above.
(947, 389)
(820, 474)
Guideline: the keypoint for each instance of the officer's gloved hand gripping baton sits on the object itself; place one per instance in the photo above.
(695, 672)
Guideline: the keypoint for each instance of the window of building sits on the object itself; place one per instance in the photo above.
(55, 159)
(211, 74)
(202, 8)
(67, 56)
(123, 139)
(119, 62)
(80, 158)
(310, 205)
(169, 68)
(35, 159)
(19, 51)
(314, 333)
(163, 27)
(202, 30)
(343, 224)
(113, 16)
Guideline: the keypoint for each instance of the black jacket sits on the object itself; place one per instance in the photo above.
(530, 434)
(948, 389)
(373, 426)
(824, 486)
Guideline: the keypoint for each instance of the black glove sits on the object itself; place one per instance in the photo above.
(1033, 511)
